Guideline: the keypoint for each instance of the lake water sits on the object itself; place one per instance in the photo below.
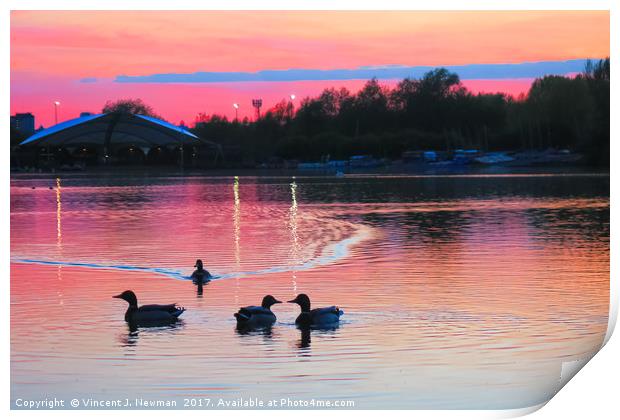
(458, 291)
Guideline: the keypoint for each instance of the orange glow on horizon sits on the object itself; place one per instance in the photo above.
(108, 43)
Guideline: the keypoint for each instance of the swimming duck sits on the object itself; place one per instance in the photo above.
(200, 275)
(317, 316)
(148, 314)
(257, 316)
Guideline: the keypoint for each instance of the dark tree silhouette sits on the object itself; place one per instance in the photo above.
(130, 106)
(435, 112)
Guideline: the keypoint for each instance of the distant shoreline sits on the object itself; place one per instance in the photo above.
(390, 170)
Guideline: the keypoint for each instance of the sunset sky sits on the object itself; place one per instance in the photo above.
(186, 62)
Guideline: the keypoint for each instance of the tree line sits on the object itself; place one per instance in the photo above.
(435, 112)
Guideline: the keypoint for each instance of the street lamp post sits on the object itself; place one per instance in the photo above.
(292, 109)
(236, 106)
(56, 103)
(49, 151)
(182, 126)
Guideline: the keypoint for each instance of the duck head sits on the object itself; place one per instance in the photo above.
(198, 264)
(268, 301)
(129, 297)
(303, 301)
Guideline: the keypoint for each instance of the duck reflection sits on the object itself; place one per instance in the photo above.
(305, 340)
(306, 335)
(199, 288)
(266, 332)
(134, 331)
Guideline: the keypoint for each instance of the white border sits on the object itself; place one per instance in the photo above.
(592, 394)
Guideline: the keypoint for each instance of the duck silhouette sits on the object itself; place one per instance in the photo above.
(148, 315)
(257, 316)
(317, 317)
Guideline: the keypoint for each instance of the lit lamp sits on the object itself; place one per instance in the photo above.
(292, 96)
(56, 103)
(236, 106)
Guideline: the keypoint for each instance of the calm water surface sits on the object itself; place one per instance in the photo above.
(458, 292)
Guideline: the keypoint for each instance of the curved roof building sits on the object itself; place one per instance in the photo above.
(114, 131)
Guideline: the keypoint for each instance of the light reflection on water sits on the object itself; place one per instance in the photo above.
(294, 237)
(236, 233)
(458, 292)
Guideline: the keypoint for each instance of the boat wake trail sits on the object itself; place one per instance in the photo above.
(330, 254)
